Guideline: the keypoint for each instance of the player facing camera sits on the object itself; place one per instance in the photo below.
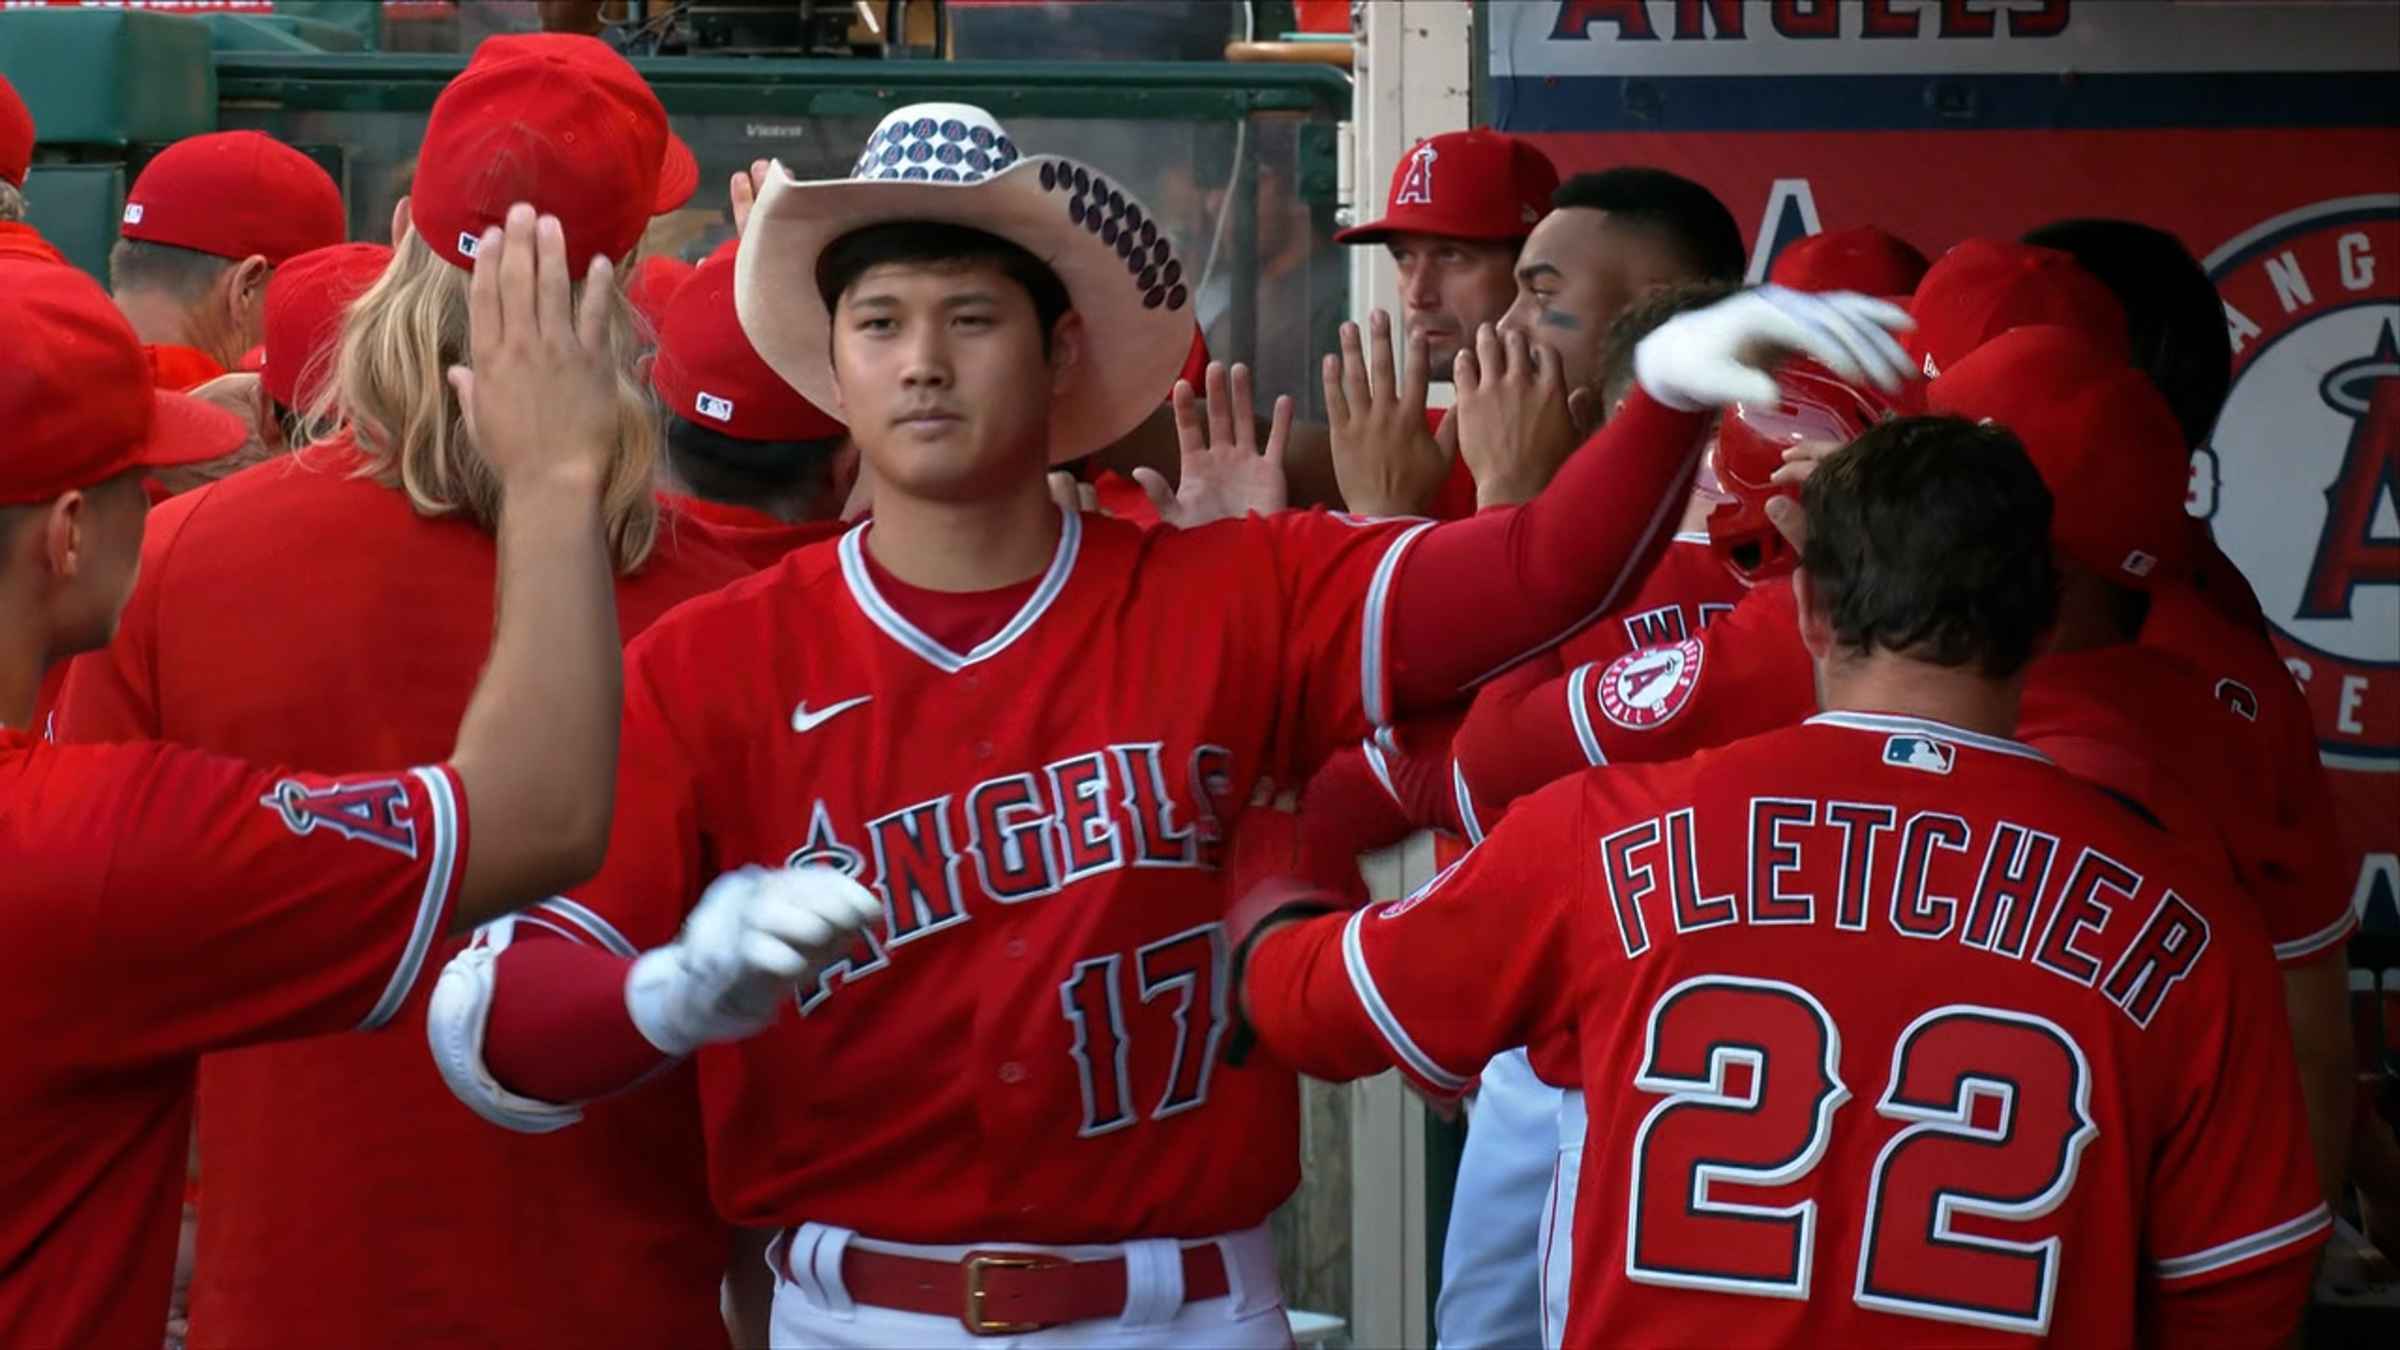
(1928, 539)
(948, 345)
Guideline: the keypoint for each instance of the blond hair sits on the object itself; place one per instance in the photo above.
(390, 389)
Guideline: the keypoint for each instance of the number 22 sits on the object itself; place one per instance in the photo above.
(1755, 1107)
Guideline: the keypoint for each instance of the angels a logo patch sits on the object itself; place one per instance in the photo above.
(1641, 689)
(372, 812)
(2301, 481)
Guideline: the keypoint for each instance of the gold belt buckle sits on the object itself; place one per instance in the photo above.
(979, 1262)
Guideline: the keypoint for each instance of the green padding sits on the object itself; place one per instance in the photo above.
(76, 206)
(363, 22)
(103, 77)
(281, 33)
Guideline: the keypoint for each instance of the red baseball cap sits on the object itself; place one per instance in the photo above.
(652, 284)
(305, 303)
(75, 394)
(16, 135)
(1464, 185)
(1864, 258)
(706, 371)
(232, 194)
(1982, 288)
(554, 119)
(2105, 441)
(678, 168)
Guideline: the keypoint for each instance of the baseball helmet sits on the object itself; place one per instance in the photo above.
(1751, 441)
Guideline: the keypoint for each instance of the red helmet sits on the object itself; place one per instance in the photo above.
(1750, 444)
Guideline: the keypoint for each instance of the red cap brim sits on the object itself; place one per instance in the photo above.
(678, 177)
(187, 430)
(1401, 222)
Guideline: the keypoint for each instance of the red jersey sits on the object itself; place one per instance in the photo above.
(2306, 893)
(176, 368)
(294, 612)
(1455, 499)
(2142, 723)
(1027, 1048)
(156, 903)
(1905, 1034)
(755, 537)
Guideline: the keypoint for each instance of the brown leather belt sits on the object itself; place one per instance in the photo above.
(1010, 1293)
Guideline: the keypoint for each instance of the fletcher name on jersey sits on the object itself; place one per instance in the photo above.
(1851, 1112)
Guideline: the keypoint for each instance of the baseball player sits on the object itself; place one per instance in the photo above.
(157, 902)
(2174, 322)
(331, 608)
(760, 467)
(2059, 1108)
(1032, 734)
(206, 224)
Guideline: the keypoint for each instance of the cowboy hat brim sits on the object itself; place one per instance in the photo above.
(1121, 272)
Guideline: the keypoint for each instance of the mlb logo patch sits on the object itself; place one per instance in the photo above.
(710, 405)
(2139, 564)
(1922, 753)
(469, 244)
(133, 213)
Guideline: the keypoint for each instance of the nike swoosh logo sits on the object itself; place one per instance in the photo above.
(804, 720)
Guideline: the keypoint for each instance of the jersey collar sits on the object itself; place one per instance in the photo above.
(896, 625)
(1889, 724)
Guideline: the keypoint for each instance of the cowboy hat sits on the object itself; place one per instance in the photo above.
(953, 163)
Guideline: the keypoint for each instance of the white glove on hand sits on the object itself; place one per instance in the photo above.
(754, 934)
(1719, 356)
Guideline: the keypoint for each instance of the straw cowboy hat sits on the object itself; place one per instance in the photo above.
(953, 163)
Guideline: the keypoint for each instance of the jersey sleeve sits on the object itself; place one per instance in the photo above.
(657, 853)
(240, 904)
(1333, 574)
(2233, 1187)
(1478, 961)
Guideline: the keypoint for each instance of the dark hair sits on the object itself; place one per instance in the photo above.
(1689, 215)
(1930, 537)
(140, 265)
(2174, 319)
(1642, 318)
(939, 244)
(722, 468)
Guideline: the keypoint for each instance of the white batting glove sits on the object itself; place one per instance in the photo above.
(1720, 356)
(754, 934)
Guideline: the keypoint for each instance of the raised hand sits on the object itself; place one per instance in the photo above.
(540, 385)
(1517, 421)
(744, 192)
(1385, 460)
(1718, 356)
(1225, 473)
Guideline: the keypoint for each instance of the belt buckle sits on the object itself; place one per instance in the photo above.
(976, 1264)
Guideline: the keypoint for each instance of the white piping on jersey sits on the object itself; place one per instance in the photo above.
(1354, 959)
(1691, 537)
(600, 930)
(897, 627)
(444, 811)
(1579, 686)
(1466, 803)
(1668, 505)
(1379, 595)
(2317, 941)
(2243, 1248)
(1382, 769)
(1926, 726)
